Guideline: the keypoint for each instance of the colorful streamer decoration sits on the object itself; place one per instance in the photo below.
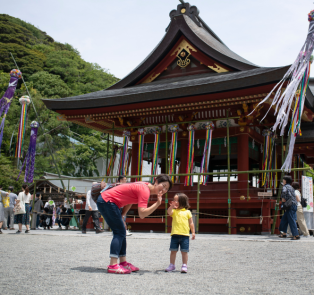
(293, 97)
(112, 161)
(123, 156)
(209, 126)
(269, 180)
(173, 149)
(190, 157)
(24, 101)
(30, 156)
(129, 158)
(154, 171)
(6, 99)
(141, 133)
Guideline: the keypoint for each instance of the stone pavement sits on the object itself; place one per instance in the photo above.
(68, 262)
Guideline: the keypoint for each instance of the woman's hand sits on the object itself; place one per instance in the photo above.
(283, 199)
(159, 198)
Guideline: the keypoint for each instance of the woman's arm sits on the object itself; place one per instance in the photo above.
(144, 212)
(126, 210)
(298, 197)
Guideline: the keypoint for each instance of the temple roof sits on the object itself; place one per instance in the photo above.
(194, 29)
(170, 88)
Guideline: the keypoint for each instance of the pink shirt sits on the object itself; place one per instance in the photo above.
(129, 193)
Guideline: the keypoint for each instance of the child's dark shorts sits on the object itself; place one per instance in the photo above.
(183, 241)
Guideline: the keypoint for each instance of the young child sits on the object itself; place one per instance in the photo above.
(180, 234)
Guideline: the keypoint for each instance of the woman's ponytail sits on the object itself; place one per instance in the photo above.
(26, 189)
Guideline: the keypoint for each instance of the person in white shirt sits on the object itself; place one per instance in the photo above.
(91, 209)
(300, 215)
(23, 199)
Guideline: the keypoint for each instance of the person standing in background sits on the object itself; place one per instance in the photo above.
(300, 215)
(91, 210)
(24, 197)
(8, 211)
(3, 195)
(38, 207)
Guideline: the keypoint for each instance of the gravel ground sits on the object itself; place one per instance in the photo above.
(70, 263)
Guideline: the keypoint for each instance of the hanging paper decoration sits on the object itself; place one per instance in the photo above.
(126, 136)
(154, 171)
(141, 133)
(209, 126)
(6, 99)
(173, 149)
(30, 156)
(129, 158)
(293, 97)
(112, 161)
(190, 156)
(269, 180)
(24, 101)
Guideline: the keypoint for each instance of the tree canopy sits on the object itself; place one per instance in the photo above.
(51, 70)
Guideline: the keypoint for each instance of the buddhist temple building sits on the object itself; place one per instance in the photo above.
(192, 76)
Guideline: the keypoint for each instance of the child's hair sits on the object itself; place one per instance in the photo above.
(295, 185)
(183, 201)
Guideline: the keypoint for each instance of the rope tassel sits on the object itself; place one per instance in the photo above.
(141, 133)
(190, 156)
(173, 149)
(156, 132)
(209, 126)
(123, 155)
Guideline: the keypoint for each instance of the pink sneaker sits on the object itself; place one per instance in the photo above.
(184, 268)
(129, 266)
(118, 269)
(170, 268)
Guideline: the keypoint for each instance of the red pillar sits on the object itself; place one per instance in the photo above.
(243, 161)
(134, 159)
(266, 224)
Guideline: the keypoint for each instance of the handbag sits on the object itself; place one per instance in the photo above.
(286, 205)
(303, 202)
(20, 207)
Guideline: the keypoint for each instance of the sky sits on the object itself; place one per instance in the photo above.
(118, 35)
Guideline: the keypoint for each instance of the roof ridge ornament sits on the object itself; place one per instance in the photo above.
(187, 9)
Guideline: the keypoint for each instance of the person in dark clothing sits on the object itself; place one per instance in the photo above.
(38, 206)
(46, 218)
(64, 219)
(290, 215)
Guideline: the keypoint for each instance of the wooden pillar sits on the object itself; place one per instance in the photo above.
(243, 161)
(266, 223)
(134, 159)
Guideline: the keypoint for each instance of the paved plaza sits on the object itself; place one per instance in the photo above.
(68, 262)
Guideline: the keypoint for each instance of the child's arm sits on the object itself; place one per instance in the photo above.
(170, 209)
(191, 224)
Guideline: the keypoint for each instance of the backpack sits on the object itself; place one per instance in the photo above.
(99, 188)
